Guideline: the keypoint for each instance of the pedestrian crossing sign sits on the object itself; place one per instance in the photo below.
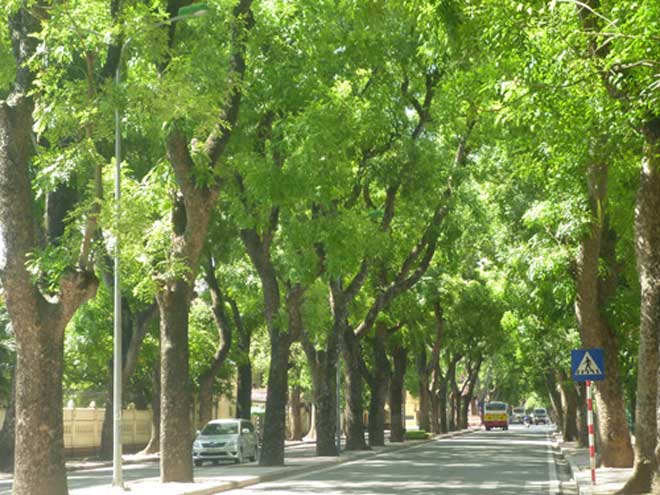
(587, 364)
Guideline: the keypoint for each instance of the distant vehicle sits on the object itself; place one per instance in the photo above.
(226, 439)
(518, 415)
(495, 415)
(540, 416)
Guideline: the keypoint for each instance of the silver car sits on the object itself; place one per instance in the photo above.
(226, 439)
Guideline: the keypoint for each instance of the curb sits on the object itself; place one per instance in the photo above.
(286, 473)
(572, 467)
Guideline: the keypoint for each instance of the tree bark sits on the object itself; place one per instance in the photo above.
(244, 385)
(295, 405)
(424, 395)
(555, 396)
(378, 384)
(467, 392)
(274, 433)
(153, 446)
(397, 419)
(8, 432)
(38, 321)
(582, 420)
(442, 405)
(647, 241)
(176, 400)
(354, 411)
(570, 404)
(594, 292)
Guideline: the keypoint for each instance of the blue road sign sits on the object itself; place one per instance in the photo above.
(587, 364)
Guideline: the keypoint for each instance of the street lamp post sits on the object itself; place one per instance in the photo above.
(194, 10)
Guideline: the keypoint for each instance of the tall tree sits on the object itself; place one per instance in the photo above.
(39, 313)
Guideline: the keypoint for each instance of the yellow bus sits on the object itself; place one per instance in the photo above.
(495, 415)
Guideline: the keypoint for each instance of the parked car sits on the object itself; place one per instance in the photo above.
(226, 439)
(540, 416)
(518, 415)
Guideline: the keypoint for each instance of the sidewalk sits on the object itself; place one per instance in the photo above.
(251, 474)
(608, 480)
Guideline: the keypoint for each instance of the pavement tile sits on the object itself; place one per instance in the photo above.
(608, 480)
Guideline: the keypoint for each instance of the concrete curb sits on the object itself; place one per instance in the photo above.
(571, 466)
(294, 471)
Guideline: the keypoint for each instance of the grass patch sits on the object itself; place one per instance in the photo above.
(417, 435)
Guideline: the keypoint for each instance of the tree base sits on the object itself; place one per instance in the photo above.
(640, 482)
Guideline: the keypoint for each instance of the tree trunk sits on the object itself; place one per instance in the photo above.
(378, 387)
(435, 401)
(176, 399)
(244, 390)
(397, 420)
(296, 417)
(244, 385)
(272, 451)
(311, 434)
(569, 399)
(38, 322)
(325, 398)
(555, 397)
(353, 388)
(582, 420)
(647, 240)
(424, 396)
(8, 432)
(442, 406)
(154, 441)
(594, 292)
(39, 427)
(205, 398)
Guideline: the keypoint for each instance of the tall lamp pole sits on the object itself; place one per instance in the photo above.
(194, 10)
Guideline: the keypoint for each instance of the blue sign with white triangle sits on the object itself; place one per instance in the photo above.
(587, 364)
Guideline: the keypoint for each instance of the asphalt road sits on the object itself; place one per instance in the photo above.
(515, 462)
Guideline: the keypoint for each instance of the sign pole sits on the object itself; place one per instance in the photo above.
(592, 443)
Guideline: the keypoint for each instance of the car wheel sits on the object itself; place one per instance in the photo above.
(487, 428)
(198, 462)
(506, 428)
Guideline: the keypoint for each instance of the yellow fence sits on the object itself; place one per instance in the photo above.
(83, 425)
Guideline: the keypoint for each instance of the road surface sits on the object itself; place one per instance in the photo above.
(519, 461)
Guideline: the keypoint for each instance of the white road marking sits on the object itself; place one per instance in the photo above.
(554, 487)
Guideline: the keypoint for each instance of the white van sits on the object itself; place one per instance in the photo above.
(225, 439)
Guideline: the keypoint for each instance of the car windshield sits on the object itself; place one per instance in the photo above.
(496, 406)
(539, 412)
(220, 429)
